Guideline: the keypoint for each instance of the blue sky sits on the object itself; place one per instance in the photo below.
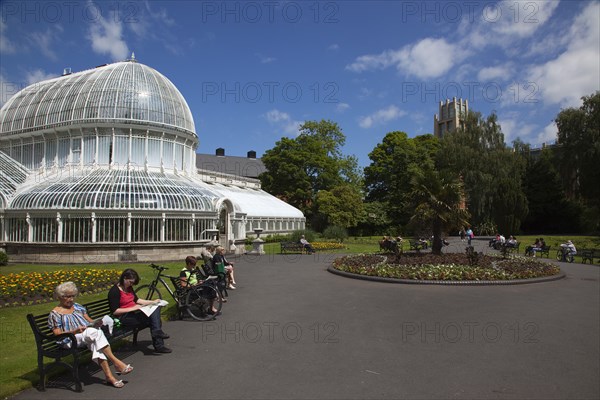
(251, 72)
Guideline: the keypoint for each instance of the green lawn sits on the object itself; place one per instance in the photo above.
(18, 366)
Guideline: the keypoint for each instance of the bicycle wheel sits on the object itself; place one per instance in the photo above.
(570, 257)
(148, 292)
(200, 300)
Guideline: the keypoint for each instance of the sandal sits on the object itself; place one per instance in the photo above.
(117, 384)
(128, 368)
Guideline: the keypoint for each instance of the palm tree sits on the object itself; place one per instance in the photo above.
(438, 199)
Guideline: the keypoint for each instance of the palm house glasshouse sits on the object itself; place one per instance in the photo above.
(100, 165)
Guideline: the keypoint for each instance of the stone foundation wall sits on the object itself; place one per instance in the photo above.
(103, 253)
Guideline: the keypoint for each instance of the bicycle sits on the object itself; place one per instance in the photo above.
(198, 301)
(563, 254)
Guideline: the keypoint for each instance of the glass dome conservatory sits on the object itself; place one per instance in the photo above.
(101, 163)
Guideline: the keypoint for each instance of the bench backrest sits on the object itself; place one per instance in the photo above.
(176, 281)
(98, 308)
(41, 331)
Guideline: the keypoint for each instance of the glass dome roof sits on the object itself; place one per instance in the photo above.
(12, 174)
(118, 190)
(124, 92)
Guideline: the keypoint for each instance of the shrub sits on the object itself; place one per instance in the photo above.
(336, 232)
(308, 234)
(3, 258)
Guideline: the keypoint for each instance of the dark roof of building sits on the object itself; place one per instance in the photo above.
(239, 166)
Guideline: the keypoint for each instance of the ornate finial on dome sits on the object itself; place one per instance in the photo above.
(132, 58)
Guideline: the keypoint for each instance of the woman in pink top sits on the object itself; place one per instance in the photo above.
(125, 305)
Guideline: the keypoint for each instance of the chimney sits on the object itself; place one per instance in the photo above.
(220, 152)
(251, 154)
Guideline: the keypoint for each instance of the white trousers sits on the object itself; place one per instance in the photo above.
(95, 340)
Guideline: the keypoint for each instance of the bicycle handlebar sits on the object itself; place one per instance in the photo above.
(158, 267)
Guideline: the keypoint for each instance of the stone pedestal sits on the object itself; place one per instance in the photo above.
(257, 246)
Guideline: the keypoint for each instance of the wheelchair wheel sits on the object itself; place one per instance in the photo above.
(148, 292)
(200, 300)
(559, 255)
(569, 257)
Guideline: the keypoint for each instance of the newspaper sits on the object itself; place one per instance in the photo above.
(149, 309)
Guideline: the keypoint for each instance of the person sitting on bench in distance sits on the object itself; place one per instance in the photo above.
(568, 248)
(125, 305)
(207, 256)
(307, 245)
(219, 258)
(72, 317)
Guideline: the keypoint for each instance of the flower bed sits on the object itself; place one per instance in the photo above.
(38, 287)
(327, 245)
(448, 267)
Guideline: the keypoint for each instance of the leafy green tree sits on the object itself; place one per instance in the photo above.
(341, 206)
(388, 177)
(491, 172)
(549, 209)
(298, 168)
(374, 220)
(579, 151)
(437, 199)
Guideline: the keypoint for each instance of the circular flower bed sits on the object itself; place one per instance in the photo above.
(447, 267)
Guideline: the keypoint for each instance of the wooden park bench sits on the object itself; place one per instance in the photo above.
(544, 250)
(292, 247)
(511, 249)
(47, 345)
(589, 255)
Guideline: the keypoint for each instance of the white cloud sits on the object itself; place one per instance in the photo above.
(517, 18)
(334, 47)
(106, 36)
(341, 107)
(574, 73)
(381, 116)
(265, 59)
(38, 75)
(428, 58)
(45, 40)
(6, 47)
(505, 23)
(284, 121)
(516, 128)
(494, 73)
(548, 135)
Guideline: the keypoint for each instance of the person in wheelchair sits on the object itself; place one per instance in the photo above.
(189, 277)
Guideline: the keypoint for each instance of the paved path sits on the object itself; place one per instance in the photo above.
(294, 331)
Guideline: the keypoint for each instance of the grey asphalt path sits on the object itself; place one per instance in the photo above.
(294, 331)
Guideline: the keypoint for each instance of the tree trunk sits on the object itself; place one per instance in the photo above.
(436, 246)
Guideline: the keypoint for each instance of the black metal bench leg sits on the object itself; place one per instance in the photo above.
(78, 385)
(42, 383)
